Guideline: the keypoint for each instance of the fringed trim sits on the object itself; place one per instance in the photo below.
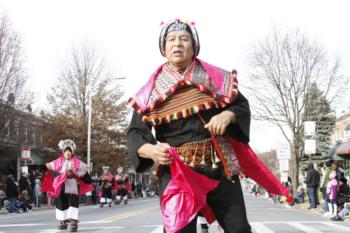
(222, 101)
(179, 115)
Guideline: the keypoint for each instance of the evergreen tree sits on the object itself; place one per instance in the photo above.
(319, 110)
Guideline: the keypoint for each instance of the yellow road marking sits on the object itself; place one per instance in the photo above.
(129, 214)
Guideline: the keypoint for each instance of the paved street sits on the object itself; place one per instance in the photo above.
(143, 216)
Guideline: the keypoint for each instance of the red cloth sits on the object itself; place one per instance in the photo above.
(47, 183)
(128, 186)
(255, 169)
(185, 196)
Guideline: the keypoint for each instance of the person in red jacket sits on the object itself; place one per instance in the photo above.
(106, 182)
(123, 186)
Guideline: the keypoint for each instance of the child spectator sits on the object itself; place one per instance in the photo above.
(332, 193)
(25, 202)
(299, 197)
(290, 200)
(37, 193)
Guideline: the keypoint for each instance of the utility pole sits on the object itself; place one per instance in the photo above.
(89, 130)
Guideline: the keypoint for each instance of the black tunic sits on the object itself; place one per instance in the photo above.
(184, 130)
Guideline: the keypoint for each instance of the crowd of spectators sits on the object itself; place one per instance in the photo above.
(22, 195)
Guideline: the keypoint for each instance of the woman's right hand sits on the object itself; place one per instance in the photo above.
(48, 166)
(158, 153)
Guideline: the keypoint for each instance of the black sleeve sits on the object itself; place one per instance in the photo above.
(308, 180)
(86, 178)
(139, 134)
(240, 129)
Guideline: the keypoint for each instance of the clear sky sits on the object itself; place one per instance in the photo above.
(126, 34)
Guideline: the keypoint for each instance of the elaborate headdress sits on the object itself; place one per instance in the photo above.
(179, 25)
(105, 168)
(65, 144)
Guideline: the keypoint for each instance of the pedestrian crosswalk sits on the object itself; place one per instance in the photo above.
(306, 226)
(284, 227)
(257, 227)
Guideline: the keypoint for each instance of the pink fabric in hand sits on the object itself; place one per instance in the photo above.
(185, 196)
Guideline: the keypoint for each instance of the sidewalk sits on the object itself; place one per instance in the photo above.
(318, 210)
(43, 207)
(305, 207)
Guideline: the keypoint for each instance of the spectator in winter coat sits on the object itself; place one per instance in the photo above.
(23, 183)
(312, 182)
(12, 193)
(139, 190)
(344, 193)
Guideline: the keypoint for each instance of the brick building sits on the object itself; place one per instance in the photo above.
(19, 129)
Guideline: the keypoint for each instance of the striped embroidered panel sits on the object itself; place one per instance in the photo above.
(184, 102)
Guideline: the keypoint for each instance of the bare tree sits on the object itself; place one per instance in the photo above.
(69, 104)
(13, 75)
(269, 158)
(284, 66)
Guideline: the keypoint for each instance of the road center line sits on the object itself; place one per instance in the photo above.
(23, 225)
(129, 214)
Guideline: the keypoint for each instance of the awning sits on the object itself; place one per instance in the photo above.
(332, 152)
(344, 148)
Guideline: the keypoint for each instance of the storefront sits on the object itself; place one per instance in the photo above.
(343, 151)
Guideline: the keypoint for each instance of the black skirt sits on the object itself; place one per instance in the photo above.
(226, 200)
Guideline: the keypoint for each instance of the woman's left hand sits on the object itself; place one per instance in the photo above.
(218, 123)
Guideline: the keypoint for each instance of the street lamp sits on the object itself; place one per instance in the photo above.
(89, 125)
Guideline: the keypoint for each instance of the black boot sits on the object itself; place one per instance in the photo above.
(62, 225)
(336, 218)
(73, 225)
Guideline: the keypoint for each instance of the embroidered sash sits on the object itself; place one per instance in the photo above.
(186, 101)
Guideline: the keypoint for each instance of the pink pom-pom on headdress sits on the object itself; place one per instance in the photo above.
(193, 24)
(162, 23)
(177, 20)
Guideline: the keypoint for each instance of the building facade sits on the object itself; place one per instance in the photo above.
(340, 132)
(18, 129)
